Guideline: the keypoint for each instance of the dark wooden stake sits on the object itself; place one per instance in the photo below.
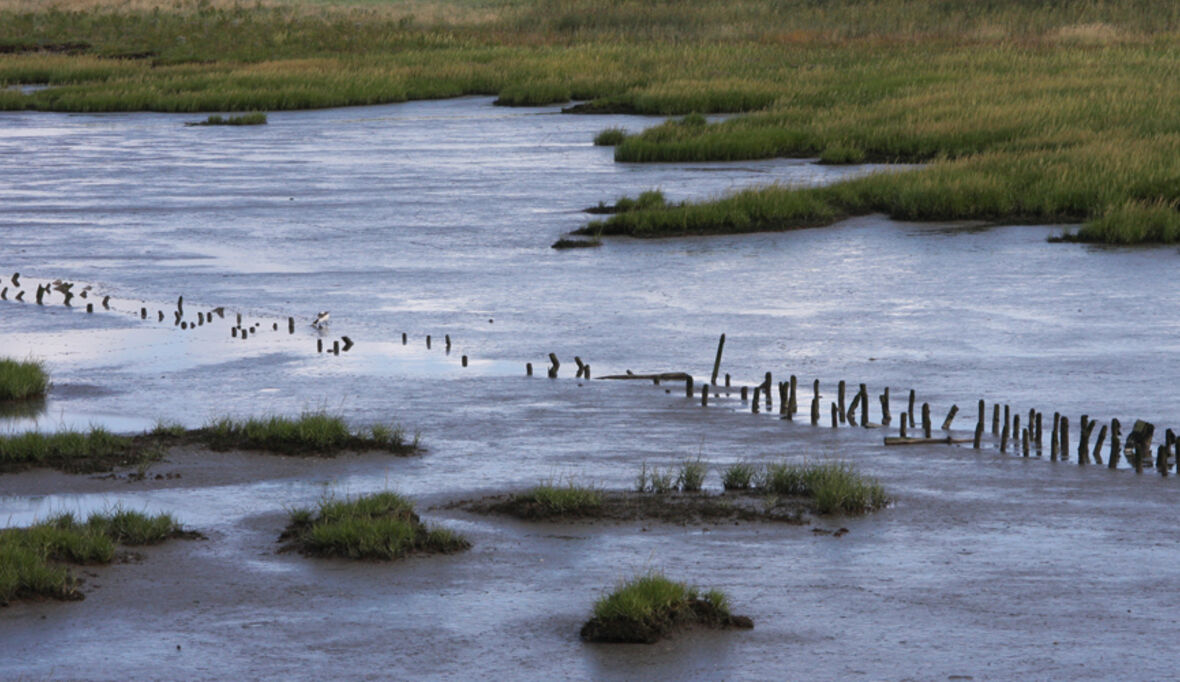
(554, 365)
(428, 342)
(815, 411)
(745, 393)
(405, 338)
(1024, 441)
(1055, 438)
(835, 416)
(978, 435)
(864, 406)
(717, 361)
(840, 401)
(319, 344)
(1064, 438)
(755, 402)
(950, 417)
(913, 396)
(688, 387)
(704, 395)
(1115, 449)
(996, 419)
(528, 369)
(792, 398)
(926, 425)
(886, 415)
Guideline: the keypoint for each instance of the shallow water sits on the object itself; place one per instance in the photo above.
(435, 218)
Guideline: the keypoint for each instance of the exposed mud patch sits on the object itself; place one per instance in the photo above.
(672, 507)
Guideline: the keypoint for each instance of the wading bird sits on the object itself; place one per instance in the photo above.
(321, 320)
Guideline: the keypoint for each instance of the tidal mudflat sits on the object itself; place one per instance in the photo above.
(435, 218)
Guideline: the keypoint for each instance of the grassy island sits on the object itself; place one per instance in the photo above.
(647, 608)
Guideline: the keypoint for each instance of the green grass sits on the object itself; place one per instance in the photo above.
(692, 476)
(311, 433)
(379, 526)
(835, 487)
(1022, 111)
(610, 137)
(73, 451)
(252, 119)
(31, 559)
(650, 605)
(552, 498)
(21, 380)
(738, 476)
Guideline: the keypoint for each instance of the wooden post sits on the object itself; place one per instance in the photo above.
(815, 388)
(864, 406)
(704, 395)
(1098, 445)
(90, 307)
(717, 361)
(581, 365)
(815, 411)
(901, 426)
(290, 325)
(555, 364)
(1083, 441)
(886, 416)
(1064, 438)
(1161, 459)
(1113, 460)
(464, 360)
(239, 319)
(784, 402)
(405, 338)
(1004, 438)
(586, 373)
(1015, 429)
(840, 401)
(688, 387)
(1024, 441)
(745, 393)
(428, 342)
(926, 425)
(319, 343)
(950, 417)
(755, 402)
(996, 419)
(1008, 417)
(851, 414)
(727, 379)
(447, 341)
(911, 410)
(159, 315)
(336, 347)
(978, 435)
(1040, 432)
(982, 412)
(793, 405)
(835, 416)
(528, 369)
(143, 313)
(766, 391)
(1055, 438)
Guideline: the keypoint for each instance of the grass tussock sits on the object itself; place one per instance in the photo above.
(251, 119)
(33, 560)
(835, 487)
(552, 499)
(381, 526)
(22, 380)
(311, 433)
(610, 137)
(562, 244)
(72, 451)
(648, 607)
(738, 476)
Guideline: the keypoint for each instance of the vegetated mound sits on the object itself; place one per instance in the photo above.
(32, 558)
(381, 526)
(22, 380)
(649, 607)
(314, 434)
(686, 508)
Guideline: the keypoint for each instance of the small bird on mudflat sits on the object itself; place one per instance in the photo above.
(321, 320)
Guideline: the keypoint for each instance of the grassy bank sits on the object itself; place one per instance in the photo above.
(835, 487)
(1024, 112)
(379, 526)
(33, 560)
(315, 434)
(648, 607)
(22, 380)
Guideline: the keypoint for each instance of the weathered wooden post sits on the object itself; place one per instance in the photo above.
(1008, 417)
(464, 360)
(766, 391)
(1016, 431)
(727, 379)
(336, 347)
(90, 307)
(996, 419)
(851, 414)
(1024, 441)
(688, 387)
(405, 338)
(587, 372)
(784, 401)
(982, 412)
(428, 342)
(950, 417)
(717, 361)
(581, 365)
(1161, 459)
(886, 416)
(1083, 441)
(1055, 437)
(554, 364)
(1064, 438)
(159, 316)
(1004, 438)
(1098, 445)
(233, 332)
(840, 400)
(290, 324)
(1115, 446)
(835, 416)
(901, 426)
(815, 410)
(793, 405)
(1040, 432)
(143, 313)
(910, 412)
(864, 406)
(745, 395)
(319, 343)
(755, 402)
(528, 369)
(447, 341)
(705, 395)
(926, 425)
(978, 435)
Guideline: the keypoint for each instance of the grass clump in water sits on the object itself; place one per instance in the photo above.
(553, 499)
(379, 526)
(252, 119)
(22, 380)
(563, 243)
(610, 137)
(835, 486)
(32, 559)
(739, 476)
(648, 607)
(692, 476)
(311, 433)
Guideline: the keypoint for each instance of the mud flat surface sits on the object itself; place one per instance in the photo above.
(987, 566)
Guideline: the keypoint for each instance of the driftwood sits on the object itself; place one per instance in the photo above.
(665, 376)
(895, 440)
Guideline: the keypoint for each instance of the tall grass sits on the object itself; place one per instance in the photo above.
(835, 487)
(553, 498)
(68, 450)
(650, 605)
(31, 558)
(312, 432)
(20, 380)
(378, 526)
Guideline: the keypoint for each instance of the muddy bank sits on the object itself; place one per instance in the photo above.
(695, 508)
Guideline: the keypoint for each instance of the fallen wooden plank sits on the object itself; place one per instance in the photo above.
(897, 440)
(666, 376)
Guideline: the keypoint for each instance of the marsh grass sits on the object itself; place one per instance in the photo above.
(610, 137)
(22, 380)
(692, 475)
(835, 487)
(649, 606)
(311, 433)
(251, 119)
(553, 498)
(72, 451)
(563, 243)
(738, 476)
(380, 526)
(31, 559)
